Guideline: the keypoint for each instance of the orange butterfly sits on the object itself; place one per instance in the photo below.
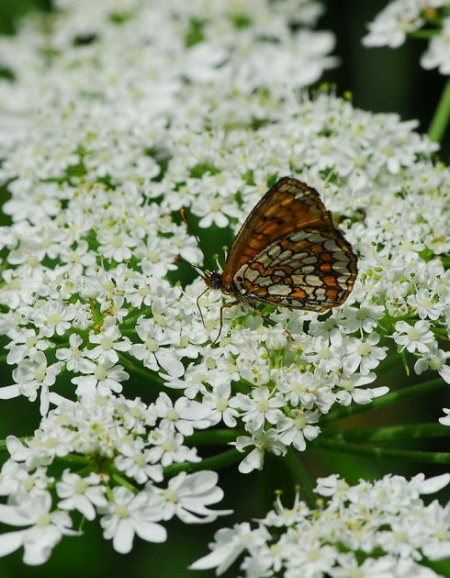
(289, 253)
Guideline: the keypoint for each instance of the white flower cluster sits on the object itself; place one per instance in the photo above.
(386, 522)
(403, 17)
(136, 109)
(119, 444)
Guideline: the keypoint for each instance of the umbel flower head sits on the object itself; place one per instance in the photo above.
(114, 438)
(429, 19)
(93, 304)
(90, 292)
(387, 521)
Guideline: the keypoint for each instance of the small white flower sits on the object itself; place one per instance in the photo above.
(103, 378)
(25, 344)
(436, 360)
(82, 494)
(364, 318)
(229, 544)
(73, 356)
(393, 23)
(45, 531)
(446, 419)
(438, 53)
(332, 485)
(109, 340)
(268, 441)
(134, 459)
(425, 303)
(53, 318)
(115, 244)
(258, 407)
(219, 402)
(33, 377)
(326, 351)
(129, 514)
(188, 495)
(363, 354)
(350, 391)
(21, 480)
(417, 337)
(152, 352)
(184, 415)
(168, 448)
(297, 429)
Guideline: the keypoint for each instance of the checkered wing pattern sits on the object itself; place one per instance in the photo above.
(289, 253)
(307, 269)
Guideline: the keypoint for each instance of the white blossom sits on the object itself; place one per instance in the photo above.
(128, 515)
(82, 494)
(187, 497)
(33, 377)
(370, 529)
(402, 17)
(45, 528)
(133, 110)
(417, 337)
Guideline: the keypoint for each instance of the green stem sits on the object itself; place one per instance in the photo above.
(213, 438)
(213, 463)
(389, 433)
(147, 375)
(387, 364)
(441, 117)
(120, 480)
(381, 453)
(294, 463)
(422, 34)
(407, 392)
(23, 439)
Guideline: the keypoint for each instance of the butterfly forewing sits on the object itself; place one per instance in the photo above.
(289, 205)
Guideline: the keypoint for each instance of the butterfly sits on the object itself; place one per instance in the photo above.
(288, 253)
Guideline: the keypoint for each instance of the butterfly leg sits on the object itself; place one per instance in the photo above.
(198, 304)
(267, 318)
(222, 307)
(254, 308)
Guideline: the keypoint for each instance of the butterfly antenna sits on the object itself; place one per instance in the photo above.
(179, 259)
(197, 238)
(199, 269)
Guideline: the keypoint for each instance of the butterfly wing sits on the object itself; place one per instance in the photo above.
(289, 205)
(311, 269)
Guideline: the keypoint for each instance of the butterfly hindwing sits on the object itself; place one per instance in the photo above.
(309, 269)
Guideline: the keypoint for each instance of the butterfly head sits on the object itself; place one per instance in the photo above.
(213, 280)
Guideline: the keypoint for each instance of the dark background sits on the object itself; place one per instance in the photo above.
(381, 80)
